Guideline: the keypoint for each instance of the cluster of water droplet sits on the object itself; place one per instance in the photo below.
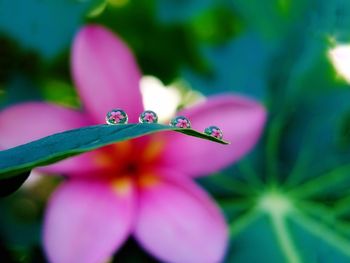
(119, 116)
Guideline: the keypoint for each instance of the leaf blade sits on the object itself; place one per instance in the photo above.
(62, 145)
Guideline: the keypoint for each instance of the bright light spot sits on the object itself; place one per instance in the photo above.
(340, 57)
(275, 203)
(159, 98)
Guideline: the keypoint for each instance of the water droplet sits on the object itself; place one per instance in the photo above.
(148, 116)
(214, 131)
(180, 122)
(116, 116)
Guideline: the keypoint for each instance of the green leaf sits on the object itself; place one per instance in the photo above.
(316, 135)
(260, 233)
(73, 142)
(272, 19)
(170, 11)
(23, 21)
(221, 77)
(286, 228)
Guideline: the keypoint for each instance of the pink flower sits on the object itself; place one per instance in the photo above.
(182, 123)
(141, 187)
(149, 117)
(216, 133)
(117, 116)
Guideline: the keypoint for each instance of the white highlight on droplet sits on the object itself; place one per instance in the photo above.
(340, 58)
(159, 98)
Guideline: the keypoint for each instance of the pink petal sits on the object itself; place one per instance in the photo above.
(241, 120)
(105, 73)
(26, 122)
(86, 222)
(42, 119)
(179, 222)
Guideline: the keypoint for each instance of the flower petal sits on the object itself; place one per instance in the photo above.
(26, 122)
(179, 222)
(87, 221)
(241, 120)
(105, 73)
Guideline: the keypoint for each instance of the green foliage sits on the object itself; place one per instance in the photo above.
(29, 15)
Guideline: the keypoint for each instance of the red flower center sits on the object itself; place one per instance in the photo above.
(131, 161)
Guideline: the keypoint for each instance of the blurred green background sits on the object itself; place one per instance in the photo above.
(289, 199)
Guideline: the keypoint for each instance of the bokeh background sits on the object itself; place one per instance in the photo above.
(289, 199)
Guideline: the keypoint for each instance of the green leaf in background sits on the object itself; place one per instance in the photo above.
(323, 143)
(216, 25)
(60, 92)
(19, 89)
(273, 224)
(249, 74)
(15, 58)
(272, 19)
(175, 11)
(73, 142)
(332, 19)
(28, 28)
